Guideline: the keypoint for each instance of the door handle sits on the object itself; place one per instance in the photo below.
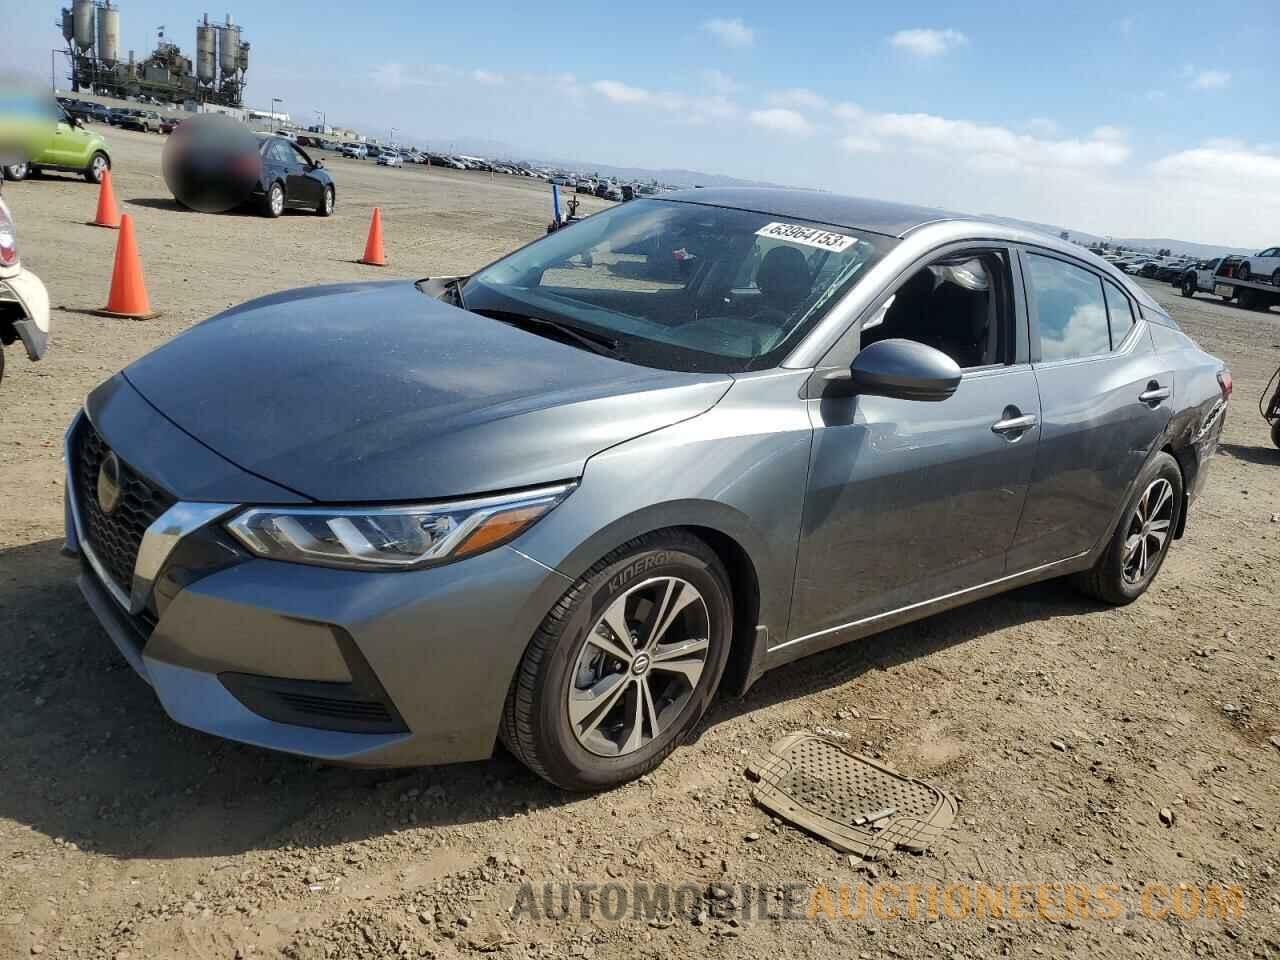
(1154, 394)
(1014, 424)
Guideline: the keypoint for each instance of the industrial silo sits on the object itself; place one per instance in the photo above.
(82, 23)
(244, 56)
(206, 57)
(108, 33)
(229, 48)
(68, 24)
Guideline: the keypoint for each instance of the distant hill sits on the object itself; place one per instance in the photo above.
(1205, 250)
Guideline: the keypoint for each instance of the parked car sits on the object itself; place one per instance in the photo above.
(145, 121)
(99, 113)
(24, 303)
(389, 523)
(1261, 265)
(79, 109)
(356, 151)
(585, 185)
(68, 146)
(389, 158)
(291, 179)
(614, 192)
(169, 124)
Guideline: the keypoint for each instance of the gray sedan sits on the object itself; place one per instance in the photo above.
(566, 500)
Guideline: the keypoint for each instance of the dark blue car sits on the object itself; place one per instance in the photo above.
(290, 178)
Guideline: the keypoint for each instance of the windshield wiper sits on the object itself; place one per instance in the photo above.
(595, 342)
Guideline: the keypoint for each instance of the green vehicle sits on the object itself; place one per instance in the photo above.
(68, 146)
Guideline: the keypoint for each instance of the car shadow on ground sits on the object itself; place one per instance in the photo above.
(172, 205)
(89, 755)
(1266, 456)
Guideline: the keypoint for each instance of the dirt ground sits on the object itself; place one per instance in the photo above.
(1064, 728)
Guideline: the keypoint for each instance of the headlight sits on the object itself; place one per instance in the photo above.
(391, 537)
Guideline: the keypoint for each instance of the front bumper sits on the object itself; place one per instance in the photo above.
(368, 668)
(25, 289)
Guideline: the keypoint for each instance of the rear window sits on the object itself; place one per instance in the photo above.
(1070, 308)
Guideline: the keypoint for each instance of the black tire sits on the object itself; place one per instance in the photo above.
(1243, 271)
(327, 203)
(535, 723)
(1188, 286)
(1, 365)
(17, 171)
(273, 202)
(1109, 580)
(1275, 278)
(1275, 427)
(98, 164)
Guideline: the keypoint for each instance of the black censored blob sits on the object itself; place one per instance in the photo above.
(211, 163)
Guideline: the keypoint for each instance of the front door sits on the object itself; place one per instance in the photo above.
(909, 501)
(1104, 394)
(302, 187)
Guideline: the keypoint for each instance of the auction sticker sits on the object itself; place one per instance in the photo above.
(808, 236)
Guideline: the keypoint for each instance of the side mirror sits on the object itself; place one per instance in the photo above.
(317, 164)
(904, 370)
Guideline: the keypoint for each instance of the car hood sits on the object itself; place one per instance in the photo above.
(365, 392)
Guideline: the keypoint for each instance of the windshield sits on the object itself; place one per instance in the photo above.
(682, 286)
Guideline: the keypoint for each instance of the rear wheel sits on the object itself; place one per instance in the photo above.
(1275, 427)
(98, 166)
(1188, 286)
(1275, 277)
(1141, 541)
(273, 205)
(1243, 271)
(325, 209)
(623, 666)
(17, 171)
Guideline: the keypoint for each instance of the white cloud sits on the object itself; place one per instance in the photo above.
(798, 98)
(719, 82)
(621, 92)
(985, 146)
(732, 32)
(1207, 79)
(1225, 163)
(781, 120)
(928, 42)
(687, 108)
(1109, 134)
(489, 77)
(856, 144)
(1042, 126)
(398, 76)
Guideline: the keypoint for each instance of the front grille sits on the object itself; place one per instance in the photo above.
(115, 537)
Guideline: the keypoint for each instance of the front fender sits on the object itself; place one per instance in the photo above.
(26, 290)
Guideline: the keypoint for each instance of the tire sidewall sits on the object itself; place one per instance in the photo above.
(566, 759)
(1163, 466)
(1275, 433)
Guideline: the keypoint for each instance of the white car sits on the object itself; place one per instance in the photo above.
(1262, 267)
(390, 160)
(24, 303)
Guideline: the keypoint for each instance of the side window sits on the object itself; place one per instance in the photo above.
(279, 151)
(1121, 312)
(961, 305)
(298, 157)
(1069, 305)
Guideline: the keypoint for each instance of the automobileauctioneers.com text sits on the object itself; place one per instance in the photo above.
(882, 900)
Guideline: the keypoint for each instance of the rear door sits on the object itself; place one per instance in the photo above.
(1104, 402)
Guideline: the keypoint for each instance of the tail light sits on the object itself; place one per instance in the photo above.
(8, 238)
(1224, 383)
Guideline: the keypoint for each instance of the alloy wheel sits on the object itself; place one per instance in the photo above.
(99, 167)
(1149, 530)
(639, 666)
(277, 200)
(328, 200)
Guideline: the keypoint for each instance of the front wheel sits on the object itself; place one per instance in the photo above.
(97, 168)
(325, 209)
(16, 171)
(1275, 427)
(623, 666)
(1188, 286)
(1141, 541)
(1243, 271)
(1275, 278)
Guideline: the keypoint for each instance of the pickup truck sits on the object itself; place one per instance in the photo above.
(1198, 277)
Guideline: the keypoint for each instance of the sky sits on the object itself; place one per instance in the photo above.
(1130, 120)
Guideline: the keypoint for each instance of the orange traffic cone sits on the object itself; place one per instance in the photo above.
(373, 253)
(108, 215)
(128, 297)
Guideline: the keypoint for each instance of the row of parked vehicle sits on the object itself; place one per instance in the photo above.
(126, 118)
